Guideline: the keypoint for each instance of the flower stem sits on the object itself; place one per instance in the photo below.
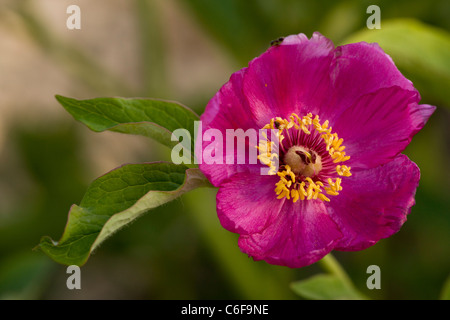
(332, 266)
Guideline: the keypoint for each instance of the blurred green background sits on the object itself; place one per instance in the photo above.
(184, 51)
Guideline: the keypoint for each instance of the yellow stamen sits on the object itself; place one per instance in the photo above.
(295, 195)
(323, 197)
(302, 191)
(343, 170)
(333, 187)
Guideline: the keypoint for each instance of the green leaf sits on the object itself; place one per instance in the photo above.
(326, 287)
(420, 51)
(116, 199)
(445, 294)
(152, 118)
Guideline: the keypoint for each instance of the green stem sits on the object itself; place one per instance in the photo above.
(332, 266)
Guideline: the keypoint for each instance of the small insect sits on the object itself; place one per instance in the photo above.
(276, 42)
(307, 157)
(277, 124)
(303, 156)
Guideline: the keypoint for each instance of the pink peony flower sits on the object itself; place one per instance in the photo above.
(343, 115)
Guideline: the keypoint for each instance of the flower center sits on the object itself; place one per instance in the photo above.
(308, 154)
(303, 161)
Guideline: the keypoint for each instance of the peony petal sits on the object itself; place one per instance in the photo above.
(374, 203)
(246, 202)
(358, 69)
(380, 125)
(294, 39)
(299, 235)
(291, 77)
(217, 173)
(419, 116)
(228, 109)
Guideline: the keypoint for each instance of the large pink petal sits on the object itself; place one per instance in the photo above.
(217, 173)
(299, 235)
(374, 203)
(247, 203)
(291, 77)
(380, 125)
(358, 69)
(228, 109)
